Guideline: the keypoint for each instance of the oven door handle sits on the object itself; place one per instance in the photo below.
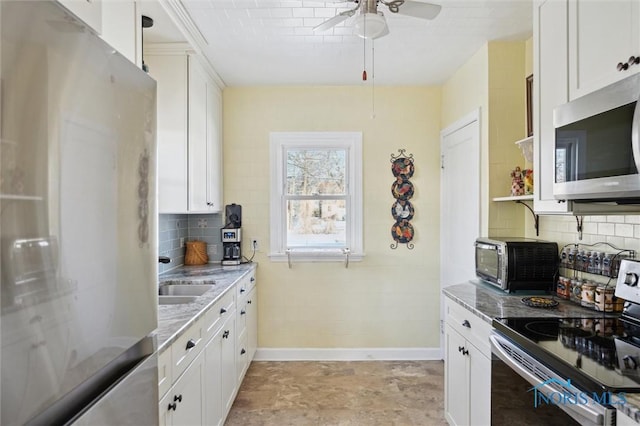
(579, 412)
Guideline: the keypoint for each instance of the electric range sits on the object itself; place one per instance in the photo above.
(582, 366)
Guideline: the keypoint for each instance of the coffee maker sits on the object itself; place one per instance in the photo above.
(232, 235)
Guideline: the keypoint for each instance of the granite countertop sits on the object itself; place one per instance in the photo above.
(174, 319)
(490, 302)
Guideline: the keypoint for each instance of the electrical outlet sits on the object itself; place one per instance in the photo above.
(254, 245)
(182, 242)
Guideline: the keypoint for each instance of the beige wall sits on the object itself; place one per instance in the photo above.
(507, 124)
(391, 298)
(493, 81)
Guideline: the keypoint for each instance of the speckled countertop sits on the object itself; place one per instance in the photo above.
(489, 302)
(174, 319)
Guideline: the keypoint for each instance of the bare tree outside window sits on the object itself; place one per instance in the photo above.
(316, 194)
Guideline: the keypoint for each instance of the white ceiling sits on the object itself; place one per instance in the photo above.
(271, 42)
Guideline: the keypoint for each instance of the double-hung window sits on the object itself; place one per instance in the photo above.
(316, 195)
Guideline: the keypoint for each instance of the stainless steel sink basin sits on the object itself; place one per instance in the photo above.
(184, 289)
(171, 294)
(176, 300)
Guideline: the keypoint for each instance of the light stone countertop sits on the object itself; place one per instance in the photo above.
(173, 320)
(490, 302)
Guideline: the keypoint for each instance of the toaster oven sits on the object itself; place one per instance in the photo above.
(513, 264)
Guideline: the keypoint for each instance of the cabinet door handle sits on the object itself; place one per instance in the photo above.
(466, 323)
(223, 311)
(172, 406)
(460, 348)
(225, 334)
(253, 279)
(242, 290)
(465, 352)
(248, 302)
(191, 343)
(242, 352)
(177, 398)
(622, 66)
(633, 60)
(242, 312)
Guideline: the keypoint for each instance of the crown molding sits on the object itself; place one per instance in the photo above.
(198, 44)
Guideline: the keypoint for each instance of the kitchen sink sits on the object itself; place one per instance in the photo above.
(171, 294)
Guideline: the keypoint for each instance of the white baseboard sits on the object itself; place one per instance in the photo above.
(348, 354)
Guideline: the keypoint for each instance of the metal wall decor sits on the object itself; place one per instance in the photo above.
(402, 190)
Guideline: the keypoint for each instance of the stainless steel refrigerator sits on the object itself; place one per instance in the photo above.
(78, 225)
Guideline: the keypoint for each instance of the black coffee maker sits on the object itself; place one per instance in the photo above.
(232, 236)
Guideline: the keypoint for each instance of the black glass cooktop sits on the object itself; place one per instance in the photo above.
(598, 354)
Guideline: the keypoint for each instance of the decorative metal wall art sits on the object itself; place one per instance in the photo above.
(402, 190)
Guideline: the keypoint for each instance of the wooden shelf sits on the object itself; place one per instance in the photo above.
(518, 198)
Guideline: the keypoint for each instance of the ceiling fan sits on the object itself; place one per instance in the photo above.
(370, 22)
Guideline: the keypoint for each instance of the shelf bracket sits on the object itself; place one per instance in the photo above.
(536, 218)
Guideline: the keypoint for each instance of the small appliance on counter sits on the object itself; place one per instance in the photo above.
(513, 263)
(231, 235)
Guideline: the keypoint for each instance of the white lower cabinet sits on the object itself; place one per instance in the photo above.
(467, 372)
(183, 404)
(220, 384)
(200, 373)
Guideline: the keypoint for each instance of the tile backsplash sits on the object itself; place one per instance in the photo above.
(176, 227)
(620, 231)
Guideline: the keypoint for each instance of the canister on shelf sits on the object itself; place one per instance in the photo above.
(563, 288)
(606, 265)
(588, 294)
(604, 298)
(618, 304)
(576, 290)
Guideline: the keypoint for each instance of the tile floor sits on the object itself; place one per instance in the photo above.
(341, 393)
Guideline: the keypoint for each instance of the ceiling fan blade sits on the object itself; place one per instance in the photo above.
(419, 10)
(332, 22)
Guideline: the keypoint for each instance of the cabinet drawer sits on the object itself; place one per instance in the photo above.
(164, 372)
(216, 315)
(473, 328)
(245, 285)
(185, 349)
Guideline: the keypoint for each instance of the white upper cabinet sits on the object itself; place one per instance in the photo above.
(550, 47)
(204, 141)
(89, 11)
(603, 36)
(122, 28)
(189, 134)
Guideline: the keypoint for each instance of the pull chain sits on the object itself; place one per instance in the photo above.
(364, 52)
(373, 79)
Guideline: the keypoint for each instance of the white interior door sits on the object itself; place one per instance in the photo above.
(460, 201)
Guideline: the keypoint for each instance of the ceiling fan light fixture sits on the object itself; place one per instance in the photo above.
(370, 25)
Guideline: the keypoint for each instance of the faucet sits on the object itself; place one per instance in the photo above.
(164, 259)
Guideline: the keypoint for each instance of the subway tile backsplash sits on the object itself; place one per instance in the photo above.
(172, 228)
(621, 231)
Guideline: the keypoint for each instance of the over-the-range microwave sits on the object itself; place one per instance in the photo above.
(597, 152)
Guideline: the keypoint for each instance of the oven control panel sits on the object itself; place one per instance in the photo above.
(627, 286)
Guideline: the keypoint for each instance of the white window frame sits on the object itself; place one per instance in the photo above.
(352, 143)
